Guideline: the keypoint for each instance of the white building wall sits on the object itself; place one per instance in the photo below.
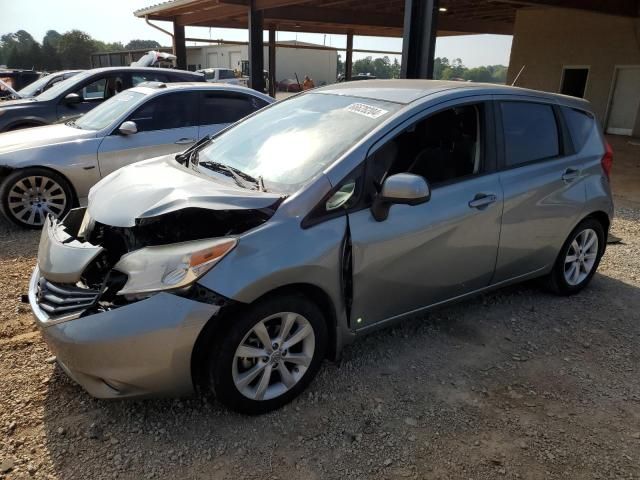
(320, 65)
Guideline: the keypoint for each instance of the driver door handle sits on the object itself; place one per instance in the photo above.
(482, 200)
(185, 141)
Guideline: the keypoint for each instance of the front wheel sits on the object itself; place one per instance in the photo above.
(269, 355)
(578, 259)
(28, 195)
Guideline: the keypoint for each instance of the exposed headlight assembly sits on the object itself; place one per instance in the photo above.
(170, 267)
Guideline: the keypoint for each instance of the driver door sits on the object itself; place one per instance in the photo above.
(425, 254)
(166, 124)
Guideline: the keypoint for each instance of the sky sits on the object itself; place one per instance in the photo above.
(113, 21)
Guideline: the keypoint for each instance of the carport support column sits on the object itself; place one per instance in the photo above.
(272, 62)
(348, 63)
(256, 48)
(419, 38)
(179, 46)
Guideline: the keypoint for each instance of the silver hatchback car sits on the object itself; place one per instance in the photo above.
(240, 265)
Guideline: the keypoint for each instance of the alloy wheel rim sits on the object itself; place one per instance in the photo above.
(32, 198)
(581, 257)
(273, 356)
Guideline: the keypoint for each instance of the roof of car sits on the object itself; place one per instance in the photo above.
(406, 91)
(151, 87)
(146, 69)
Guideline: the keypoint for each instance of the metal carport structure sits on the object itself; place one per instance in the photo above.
(418, 22)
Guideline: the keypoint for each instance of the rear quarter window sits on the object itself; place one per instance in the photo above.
(580, 124)
(530, 132)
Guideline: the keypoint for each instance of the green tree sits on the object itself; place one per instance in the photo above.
(52, 38)
(142, 44)
(75, 49)
(13, 57)
(33, 58)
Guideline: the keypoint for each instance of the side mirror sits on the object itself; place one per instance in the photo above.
(72, 98)
(401, 188)
(128, 128)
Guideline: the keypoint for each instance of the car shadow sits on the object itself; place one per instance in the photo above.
(459, 345)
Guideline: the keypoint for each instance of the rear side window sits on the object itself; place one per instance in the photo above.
(530, 132)
(171, 110)
(222, 107)
(225, 74)
(580, 125)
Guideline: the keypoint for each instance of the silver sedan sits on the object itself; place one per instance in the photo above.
(50, 169)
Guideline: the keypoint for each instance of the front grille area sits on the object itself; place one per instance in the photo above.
(63, 299)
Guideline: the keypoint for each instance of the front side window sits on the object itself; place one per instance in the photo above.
(530, 132)
(442, 147)
(226, 74)
(224, 107)
(94, 91)
(167, 111)
(102, 88)
(290, 142)
(108, 112)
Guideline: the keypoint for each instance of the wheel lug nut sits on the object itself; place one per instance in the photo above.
(275, 345)
(264, 359)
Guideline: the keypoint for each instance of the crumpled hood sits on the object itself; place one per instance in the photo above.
(36, 137)
(161, 185)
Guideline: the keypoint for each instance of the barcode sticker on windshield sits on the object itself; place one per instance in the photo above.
(366, 110)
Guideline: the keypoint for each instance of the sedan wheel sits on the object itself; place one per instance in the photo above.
(578, 259)
(28, 196)
(273, 356)
(32, 198)
(581, 257)
(269, 353)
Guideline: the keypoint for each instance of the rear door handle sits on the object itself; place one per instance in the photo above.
(570, 174)
(482, 200)
(185, 141)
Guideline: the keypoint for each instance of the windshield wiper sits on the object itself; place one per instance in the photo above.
(238, 176)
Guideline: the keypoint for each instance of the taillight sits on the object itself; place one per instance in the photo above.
(607, 159)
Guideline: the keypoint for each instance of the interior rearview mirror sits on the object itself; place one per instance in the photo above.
(402, 188)
(72, 98)
(128, 128)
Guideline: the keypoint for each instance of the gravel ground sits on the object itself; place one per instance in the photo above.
(513, 384)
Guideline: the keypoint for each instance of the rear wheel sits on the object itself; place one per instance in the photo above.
(28, 195)
(578, 259)
(269, 354)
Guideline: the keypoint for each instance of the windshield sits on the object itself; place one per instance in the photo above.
(32, 88)
(106, 113)
(290, 142)
(62, 86)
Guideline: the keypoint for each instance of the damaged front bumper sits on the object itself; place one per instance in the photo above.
(113, 347)
(140, 349)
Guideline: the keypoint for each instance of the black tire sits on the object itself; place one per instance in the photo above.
(556, 281)
(222, 357)
(43, 178)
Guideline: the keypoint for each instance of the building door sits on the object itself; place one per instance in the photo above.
(574, 81)
(625, 101)
(234, 60)
(212, 60)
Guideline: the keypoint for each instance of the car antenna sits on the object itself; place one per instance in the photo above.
(513, 84)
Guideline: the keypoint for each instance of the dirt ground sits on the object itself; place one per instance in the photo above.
(513, 384)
